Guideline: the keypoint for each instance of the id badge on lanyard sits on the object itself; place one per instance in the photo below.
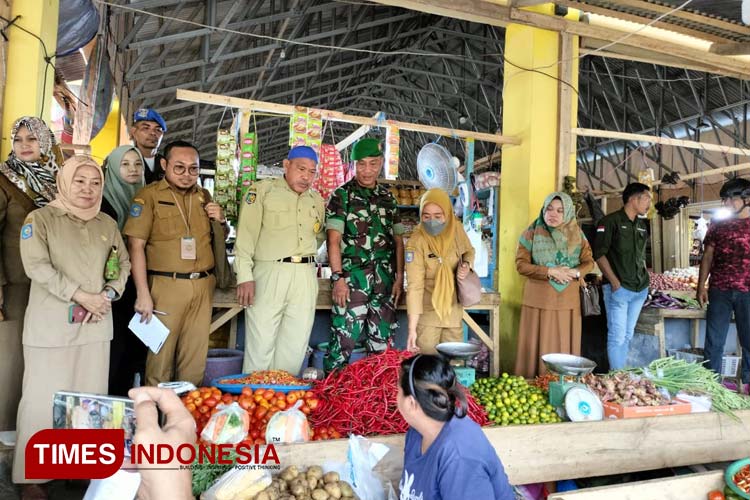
(188, 250)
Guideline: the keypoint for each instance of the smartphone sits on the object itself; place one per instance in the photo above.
(76, 314)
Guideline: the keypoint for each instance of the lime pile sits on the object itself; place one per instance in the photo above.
(511, 400)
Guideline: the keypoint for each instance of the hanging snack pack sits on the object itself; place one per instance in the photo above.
(392, 137)
(306, 128)
(248, 164)
(225, 180)
(330, 171)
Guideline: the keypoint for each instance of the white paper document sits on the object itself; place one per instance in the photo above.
(153, 334)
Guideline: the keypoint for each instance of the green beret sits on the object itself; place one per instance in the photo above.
(365, 148)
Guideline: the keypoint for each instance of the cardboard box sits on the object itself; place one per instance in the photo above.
(616, 411)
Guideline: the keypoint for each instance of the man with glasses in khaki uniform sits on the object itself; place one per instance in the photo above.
(278, 235)
(169, 239)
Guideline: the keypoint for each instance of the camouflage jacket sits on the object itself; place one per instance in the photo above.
(368, 220)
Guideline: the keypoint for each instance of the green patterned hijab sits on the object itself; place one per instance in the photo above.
(551, 247)
(117, 192)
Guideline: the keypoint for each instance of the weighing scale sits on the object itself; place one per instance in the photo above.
(460, 351)
(573, 400)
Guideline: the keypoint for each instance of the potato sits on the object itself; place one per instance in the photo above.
(315, 471)
(312, 482)
(346, 489)
(333, 490)
(297, 489)
(289, 473)
(331, 477)
(319, 494)
(283, 486)
(273, 493)
(263, 496)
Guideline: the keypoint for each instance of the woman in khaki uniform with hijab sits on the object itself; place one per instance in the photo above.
(27, 182)
(60, 354)
(437, 253)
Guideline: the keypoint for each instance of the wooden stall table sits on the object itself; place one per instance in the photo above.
(226, 302)
(651, 322)
(686, 487)
(570, 450)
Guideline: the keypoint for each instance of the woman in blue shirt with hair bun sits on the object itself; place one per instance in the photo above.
(446, 455)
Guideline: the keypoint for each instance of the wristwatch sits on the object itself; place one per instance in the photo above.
(335, 277)
(110, 293)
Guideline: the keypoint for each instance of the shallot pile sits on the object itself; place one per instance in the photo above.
(624, 389)
(665, 282)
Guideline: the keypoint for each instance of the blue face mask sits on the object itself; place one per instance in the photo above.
(433, 227)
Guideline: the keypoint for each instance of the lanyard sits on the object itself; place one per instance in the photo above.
(182, 214)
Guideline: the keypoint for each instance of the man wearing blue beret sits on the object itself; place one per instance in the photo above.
(278, 235)
(147, 132)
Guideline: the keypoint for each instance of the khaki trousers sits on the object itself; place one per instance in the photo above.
(80, 368)
(430, 336)
(279, 323)
(188, 305)
(11, 354)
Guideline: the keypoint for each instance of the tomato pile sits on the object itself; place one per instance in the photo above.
(266, 377)
(323, 433)
(742, 479)
(260, 405)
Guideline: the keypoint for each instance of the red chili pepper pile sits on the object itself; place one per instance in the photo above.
(361, 398)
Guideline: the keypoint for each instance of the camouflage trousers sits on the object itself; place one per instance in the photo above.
(369, 317)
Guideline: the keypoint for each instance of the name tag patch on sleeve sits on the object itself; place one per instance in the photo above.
(250, 197)
(409, 256)
(26, 232)
(135, 210)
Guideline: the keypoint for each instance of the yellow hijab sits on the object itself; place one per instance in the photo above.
(441, 245)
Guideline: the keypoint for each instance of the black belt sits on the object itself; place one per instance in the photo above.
(296, 259)
(183, 276)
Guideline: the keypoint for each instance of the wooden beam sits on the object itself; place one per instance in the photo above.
(565, 140)
(528, 3)
(539, 453)
(668, 141)
(478, 331)
(585, 7)
(647, 56)
(482, 163)
(697, 175)
(336, 116)
(680, 487)
(688, 16)
(730, 49)
(497, 15)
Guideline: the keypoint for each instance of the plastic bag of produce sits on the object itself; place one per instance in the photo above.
(289, 426)
(229, 425)
(238, 484)
(359, 471)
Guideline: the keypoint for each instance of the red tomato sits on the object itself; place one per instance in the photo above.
(305, 410)
(196, 414)
(312, 403)
(281, 404)
(335, 434)
(309, 394)
(226, 399)
(715, 495)
(260, 412)
(203, 409)
(246, 391)
(210, 402)
(291, 398)
(195, 394)
(268, 394)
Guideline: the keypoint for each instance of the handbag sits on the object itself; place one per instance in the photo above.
(590, 300)
(469, 289)
(225, 277)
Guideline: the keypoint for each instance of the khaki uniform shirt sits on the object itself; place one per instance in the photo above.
(275, 223)
(158, 215)
(421, 268)
(61, 254)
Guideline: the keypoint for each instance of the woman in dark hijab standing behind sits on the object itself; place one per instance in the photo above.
(123, 178)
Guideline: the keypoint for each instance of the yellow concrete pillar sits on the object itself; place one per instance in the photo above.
(26, 90)
(529, 171)
(108, 137)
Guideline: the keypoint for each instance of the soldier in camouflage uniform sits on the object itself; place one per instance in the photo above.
(364, 247)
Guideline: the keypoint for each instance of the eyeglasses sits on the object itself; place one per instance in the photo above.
(180, 170)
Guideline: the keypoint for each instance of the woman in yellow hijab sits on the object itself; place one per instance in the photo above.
(437, 253)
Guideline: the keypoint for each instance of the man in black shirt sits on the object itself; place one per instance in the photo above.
(147, 132)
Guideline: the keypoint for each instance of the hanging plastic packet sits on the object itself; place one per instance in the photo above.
(112, 267)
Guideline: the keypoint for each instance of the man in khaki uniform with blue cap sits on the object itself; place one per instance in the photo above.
(278, 235)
